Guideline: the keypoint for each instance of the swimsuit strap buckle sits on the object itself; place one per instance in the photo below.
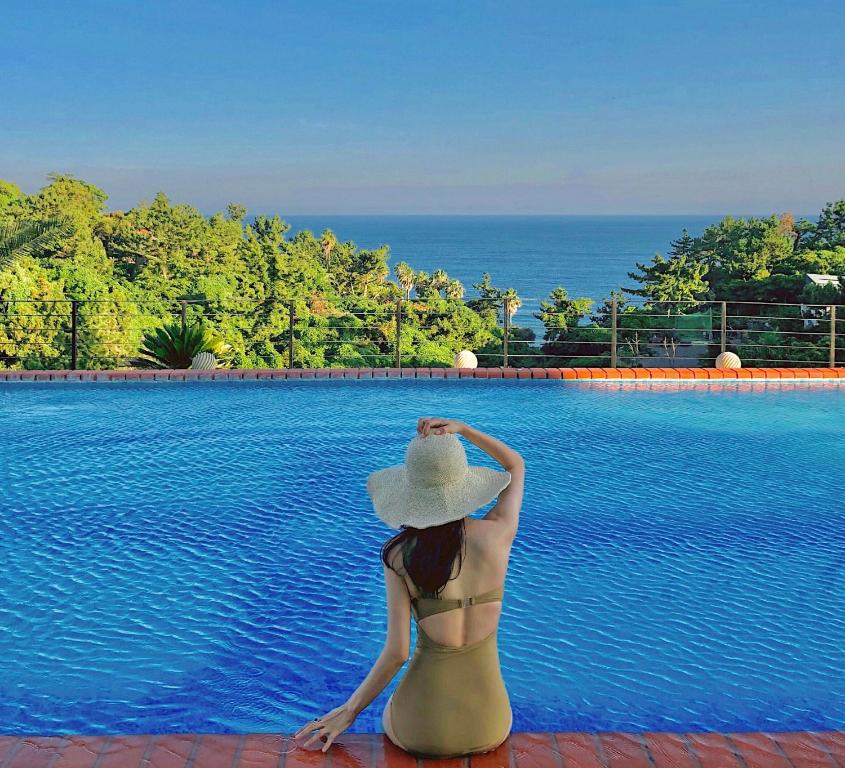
(465, 601)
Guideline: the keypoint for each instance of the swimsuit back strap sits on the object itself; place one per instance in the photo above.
(426, 606)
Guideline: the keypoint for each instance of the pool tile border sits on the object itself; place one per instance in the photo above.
(516, 374)
(603, 749)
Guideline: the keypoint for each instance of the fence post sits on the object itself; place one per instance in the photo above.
(832, 361)
(398, 332)
(614, 359)
(724, 341)
(184, 314)
(290, 334)
(507, 327)
(74, 313)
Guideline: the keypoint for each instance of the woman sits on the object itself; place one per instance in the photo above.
(452, 700)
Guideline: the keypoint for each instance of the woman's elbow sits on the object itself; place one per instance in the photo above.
(397, 656)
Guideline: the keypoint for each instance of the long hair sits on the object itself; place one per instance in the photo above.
(428, 554)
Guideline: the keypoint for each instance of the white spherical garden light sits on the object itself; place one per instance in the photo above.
(466, 359)
(728, 360)
(204, 361)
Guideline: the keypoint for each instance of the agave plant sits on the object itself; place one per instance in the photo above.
(173, 346)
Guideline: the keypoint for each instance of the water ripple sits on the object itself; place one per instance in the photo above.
(203, 557)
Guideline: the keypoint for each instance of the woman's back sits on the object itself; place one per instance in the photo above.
(482, 569)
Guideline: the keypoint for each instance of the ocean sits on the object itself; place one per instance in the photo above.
(587, 255)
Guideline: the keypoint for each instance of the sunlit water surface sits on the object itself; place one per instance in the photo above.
(203, 557)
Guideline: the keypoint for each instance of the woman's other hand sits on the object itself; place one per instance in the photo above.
(327, 727)
(433, 425)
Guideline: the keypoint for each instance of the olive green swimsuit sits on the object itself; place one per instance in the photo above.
(452, 700)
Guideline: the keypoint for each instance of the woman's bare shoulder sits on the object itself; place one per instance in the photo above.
(491, 537)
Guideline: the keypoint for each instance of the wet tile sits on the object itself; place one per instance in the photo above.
(387, 755)
(81, 751)
(623, 750)
(216, 751)
(669, 750)
(803, 750)
(758, 750)
(713, 750)
(7, 743)
(834, 743)
(171, 750)
(262, 750)
(353, 750)
(35, 752)
(534, 750)
(125, 751)
(495, 758)
(579, 750)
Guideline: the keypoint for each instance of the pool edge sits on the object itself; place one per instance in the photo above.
(537, 749)
(696, 375)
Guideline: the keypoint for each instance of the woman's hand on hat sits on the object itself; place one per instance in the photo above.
(433, 425)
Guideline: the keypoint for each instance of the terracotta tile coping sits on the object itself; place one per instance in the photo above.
(579, 374)
(795, 749)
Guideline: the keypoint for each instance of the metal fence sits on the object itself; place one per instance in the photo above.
(307, 333)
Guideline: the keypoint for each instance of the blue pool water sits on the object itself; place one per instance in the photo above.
(203, 557)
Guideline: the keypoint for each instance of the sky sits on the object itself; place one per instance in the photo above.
(429, 106)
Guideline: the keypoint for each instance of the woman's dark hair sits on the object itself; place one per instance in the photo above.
(428, 554)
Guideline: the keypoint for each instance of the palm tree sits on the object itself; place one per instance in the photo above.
(439, 280)
(422, 284)
(510, 302)
(24, 238)
(455, 290)
(406, 277)
(328, 241)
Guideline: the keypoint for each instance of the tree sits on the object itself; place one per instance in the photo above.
(370, 266)
(489, 297)
(439, 280)
(560, 313)
(405, 276)
(9, 193)
(743, 249)
(235, 212)
(667, 281)
(510, 303)
(603, 315)
(28, 238)
(684, 246)
(564, 337)
(828, 232)
(328, 242)
(423, 285)
(455, 290)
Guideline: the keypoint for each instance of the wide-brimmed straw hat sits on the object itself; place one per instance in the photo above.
(435, 485)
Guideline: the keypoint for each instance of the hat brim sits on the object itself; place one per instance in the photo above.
(397, 503)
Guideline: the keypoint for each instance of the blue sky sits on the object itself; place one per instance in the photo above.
(431, 107)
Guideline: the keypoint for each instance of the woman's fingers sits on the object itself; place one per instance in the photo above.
(429, 424)
(315, 737)
(329, 742)
(309, 726)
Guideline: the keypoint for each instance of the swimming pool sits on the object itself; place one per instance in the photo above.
(202, 557)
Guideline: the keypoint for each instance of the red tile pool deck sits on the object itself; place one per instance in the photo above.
(801, 749)
(579, 374)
